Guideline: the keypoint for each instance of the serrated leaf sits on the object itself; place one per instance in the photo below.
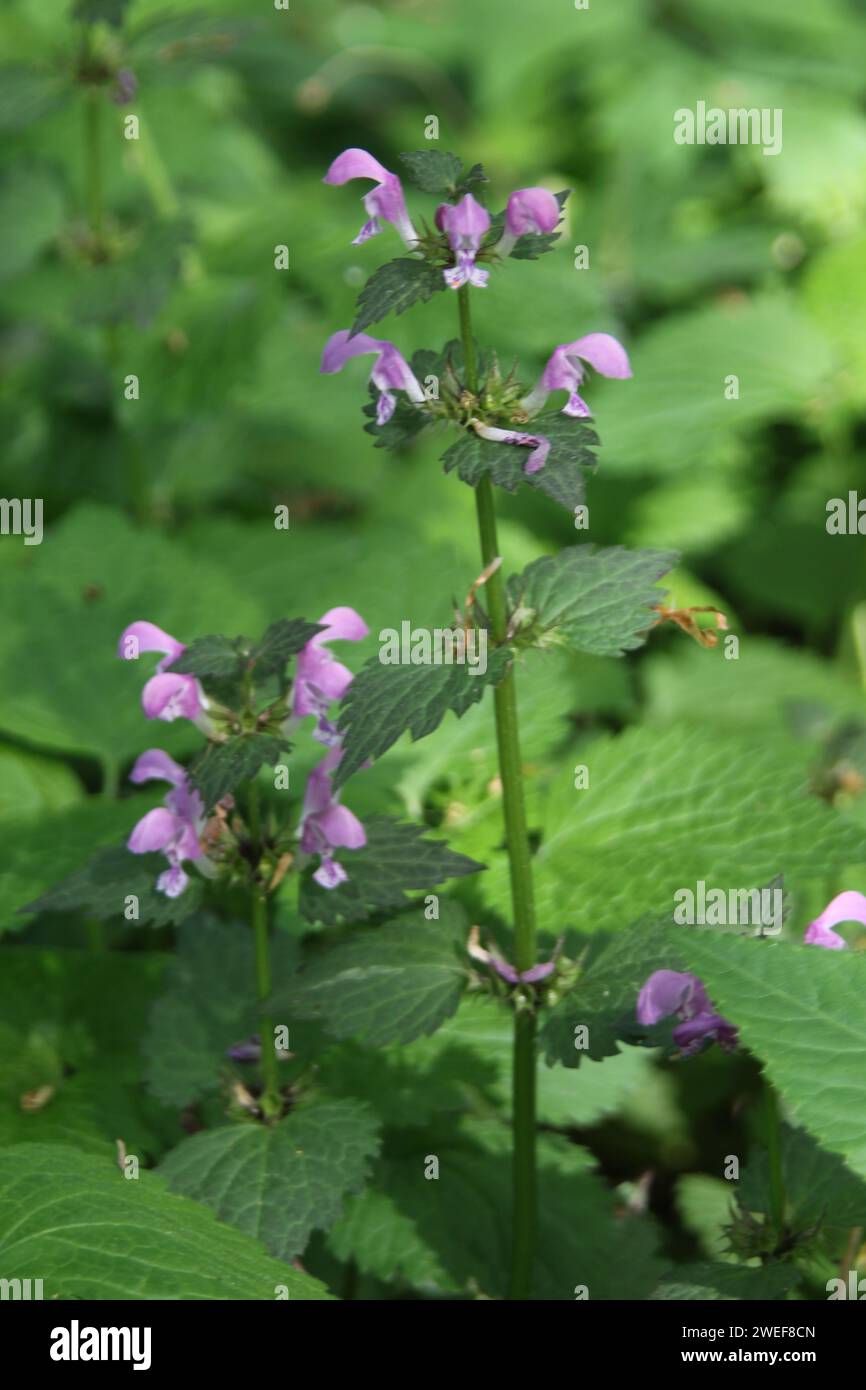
(101, 888)
(221, 767)
(452, 1235)
(394, 288)
(386, 984)
(665, 809)
(433, 171)
(396, 860)
(283, 639)
(27, 94)
(206, 1007)
(726, 1282)
(279, 1182)
(215, 656)
(596, 601)
(802, 1011)
(384, 702)
(563, 476)
(93, 1235)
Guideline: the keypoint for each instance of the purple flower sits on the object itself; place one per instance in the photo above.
(385, 202)
(174, 828)
(168, 695)
(538, 443)
(845, 907)
(504, 968)
(669, 992)
(528, 210)
(319, 677)
(325, 824)
(464, 224)
(391, 372)
(250, 1050)
(564, 370)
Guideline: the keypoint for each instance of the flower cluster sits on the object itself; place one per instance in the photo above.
(682, 995)
(181, 828)
(465, 227)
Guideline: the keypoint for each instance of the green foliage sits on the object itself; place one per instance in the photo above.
(434, 171)
(394, 288)
(221, 767)
(279, 1183)
(596, 601)
(98, 1236)
(388, 984)
(385, 701)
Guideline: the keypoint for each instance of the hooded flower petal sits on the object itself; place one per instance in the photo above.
(664, 993)
(147, 637)
(155, 765)
(528, 210)
(168, 696)
(384, 202)
(391, 372)
(465, 224)
(564, 370)
(538, 443)
(845, 907)
(173, 881)
(319, 677)
(154, 831)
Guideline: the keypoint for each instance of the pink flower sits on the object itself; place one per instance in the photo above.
(465, 224)
(538, 443)
(671, 992)
(325, 824)
(168, 695)
(175, 828)
(319, 678)
(391, 372)
(845, 907)
(384, 202)
(528, 210)
(564, 371)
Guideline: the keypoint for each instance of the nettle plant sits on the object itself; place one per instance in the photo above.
(294, 1056)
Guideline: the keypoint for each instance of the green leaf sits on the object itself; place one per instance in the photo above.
(665, 809)
(396, 860)
(221, 767)
(725, 1282)
(394, 288)
(208, 1005)
(819, 1188)
(561, 478)
(433, 171)
(384, 702)
(135, 286)
(279, 1182)
(216, 656)
(596, 601)
(101, 888)
(386, 984)
(452, 1235)
(30, 785)
(94, 1235)
(283, 639)
(802, 1011)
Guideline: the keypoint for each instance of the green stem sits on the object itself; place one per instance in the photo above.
(520, 867)
(774, 1157)
(93, 102)
(270, 1098)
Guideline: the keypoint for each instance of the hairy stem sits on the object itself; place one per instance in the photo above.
(520, 867)
(270, 1098)
(774, 1156)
